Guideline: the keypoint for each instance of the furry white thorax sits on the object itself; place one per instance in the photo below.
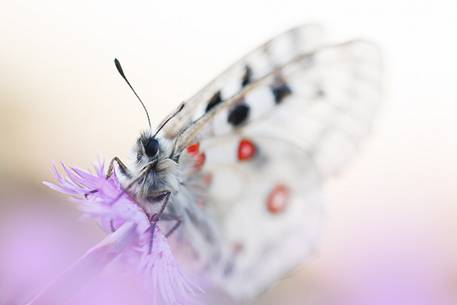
(176, 175)
(166, 175)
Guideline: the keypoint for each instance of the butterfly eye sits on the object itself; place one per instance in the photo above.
(151, 148)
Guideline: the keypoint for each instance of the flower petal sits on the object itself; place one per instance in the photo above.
(106, 201)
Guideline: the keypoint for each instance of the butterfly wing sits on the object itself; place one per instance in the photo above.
(255, 65)
(330, 93)
(271, 129)
(266, 203)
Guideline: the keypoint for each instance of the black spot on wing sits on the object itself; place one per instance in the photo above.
(214, 101)
(280, 91)
(238, 114)
(247, 77)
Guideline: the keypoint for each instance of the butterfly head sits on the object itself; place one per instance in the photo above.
(150, 147)
(153, 166)
(147, 148)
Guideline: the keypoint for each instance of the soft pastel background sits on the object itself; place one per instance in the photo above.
(391, 219)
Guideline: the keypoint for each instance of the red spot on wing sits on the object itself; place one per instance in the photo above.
(200, 157)
(278, 199)
(246, 150)
(193, 149)
(200, 160)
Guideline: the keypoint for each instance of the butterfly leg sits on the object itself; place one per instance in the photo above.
(122, 167)
(168, 218)
(173, 229)
(165, 197)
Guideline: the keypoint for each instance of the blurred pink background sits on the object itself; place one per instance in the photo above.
(391, 216)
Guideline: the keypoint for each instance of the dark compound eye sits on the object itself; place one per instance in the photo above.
(151, 147)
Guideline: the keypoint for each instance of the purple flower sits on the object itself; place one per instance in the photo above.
(128, 242)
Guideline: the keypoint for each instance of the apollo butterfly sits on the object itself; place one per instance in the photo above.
(239, 165)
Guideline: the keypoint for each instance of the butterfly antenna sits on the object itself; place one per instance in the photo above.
(121, 72)
(169, 118)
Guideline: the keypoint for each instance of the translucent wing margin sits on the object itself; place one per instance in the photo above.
(331, 106)
(323, 101)
(258, 63)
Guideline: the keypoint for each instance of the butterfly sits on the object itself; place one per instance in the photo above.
(236, 171)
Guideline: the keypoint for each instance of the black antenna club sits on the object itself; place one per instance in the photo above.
(121, 72)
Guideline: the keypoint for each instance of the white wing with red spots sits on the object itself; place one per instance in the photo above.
(323, 101)
(332, 91)
(269, 132)
(265, 195)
